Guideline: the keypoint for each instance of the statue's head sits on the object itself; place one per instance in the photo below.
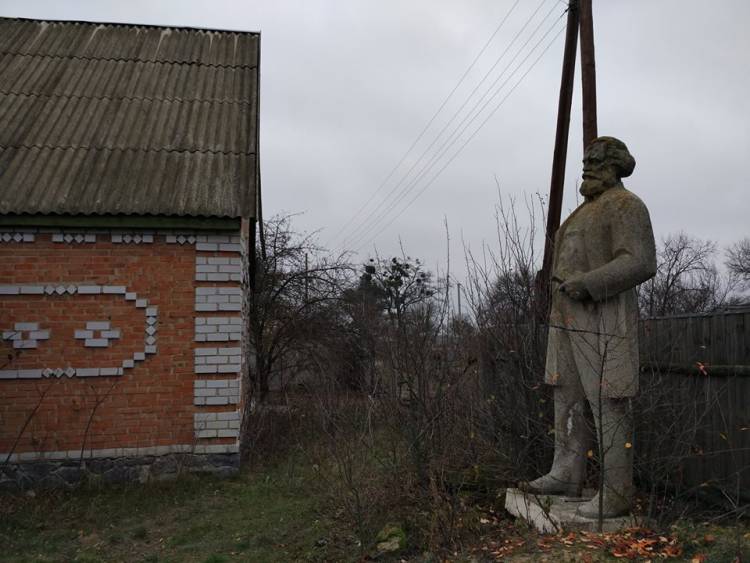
(605, 162)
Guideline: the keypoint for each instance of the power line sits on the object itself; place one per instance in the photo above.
(374, 219)
(364, 225)
(454, 135)
(429, 123)
(357, 230)
(549, 45)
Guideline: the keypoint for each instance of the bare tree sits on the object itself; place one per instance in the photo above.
(738, 259)
(413, 419)
(385, 290)
(401, 282)
(686, 281)
(295, 283)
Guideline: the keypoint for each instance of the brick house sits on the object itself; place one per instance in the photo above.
(128, 190)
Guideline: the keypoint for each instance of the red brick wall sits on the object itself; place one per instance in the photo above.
(150, 404)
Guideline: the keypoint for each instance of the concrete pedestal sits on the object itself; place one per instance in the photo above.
(550, 514)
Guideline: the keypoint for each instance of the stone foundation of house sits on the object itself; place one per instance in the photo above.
(153, 465)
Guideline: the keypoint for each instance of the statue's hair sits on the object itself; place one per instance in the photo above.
(619, 153)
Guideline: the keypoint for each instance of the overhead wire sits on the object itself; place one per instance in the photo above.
(375, 218)
(455, 134)
(430, 121)
(440, 171)
(367, 222)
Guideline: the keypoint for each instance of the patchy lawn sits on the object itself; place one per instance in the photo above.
(281, 514)
(253, 517)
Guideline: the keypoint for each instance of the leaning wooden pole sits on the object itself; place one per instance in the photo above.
(588, 74)
(561, 143)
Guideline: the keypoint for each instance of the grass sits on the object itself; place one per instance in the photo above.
(284, 512)
(255, 516)
(268, 516)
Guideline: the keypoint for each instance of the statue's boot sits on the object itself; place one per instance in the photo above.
(572, 438)
(617, 470)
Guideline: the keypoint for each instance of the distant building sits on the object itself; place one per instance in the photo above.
(128, 187)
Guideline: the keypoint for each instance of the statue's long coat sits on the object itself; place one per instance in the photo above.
(608, 244)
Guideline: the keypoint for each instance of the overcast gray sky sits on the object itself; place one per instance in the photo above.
(347, 85)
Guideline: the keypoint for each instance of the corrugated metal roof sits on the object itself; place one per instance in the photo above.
(109, 118)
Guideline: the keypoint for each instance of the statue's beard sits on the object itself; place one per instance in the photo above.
(592, 187)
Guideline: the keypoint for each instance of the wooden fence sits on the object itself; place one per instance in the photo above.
(720, 341)
(695, 384)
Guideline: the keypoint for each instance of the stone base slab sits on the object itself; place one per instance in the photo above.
(550, 514)
(69, 474)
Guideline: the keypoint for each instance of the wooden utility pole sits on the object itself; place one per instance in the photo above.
(588, 74)
(565, 101)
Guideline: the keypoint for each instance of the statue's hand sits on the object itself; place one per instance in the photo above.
(575, 289)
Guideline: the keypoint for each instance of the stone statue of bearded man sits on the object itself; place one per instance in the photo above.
(602, 251)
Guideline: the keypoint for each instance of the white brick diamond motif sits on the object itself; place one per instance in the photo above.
(16, 236)
(74, 238)
(180, 239)
(132, 238)
(97, 334)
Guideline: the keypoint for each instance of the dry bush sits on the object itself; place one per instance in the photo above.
(516, 413)
(406, 411)
(400, 438)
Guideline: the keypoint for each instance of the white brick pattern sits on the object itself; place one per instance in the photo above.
(132, 238)
(25, 335)
(218, 329)
(217, 424)
(180, 239)
(218, 299)
(218, 268)
(73, 238)
(97, 334)
(216, 391)
(16, 236)
(218, 360)
(218, 243)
